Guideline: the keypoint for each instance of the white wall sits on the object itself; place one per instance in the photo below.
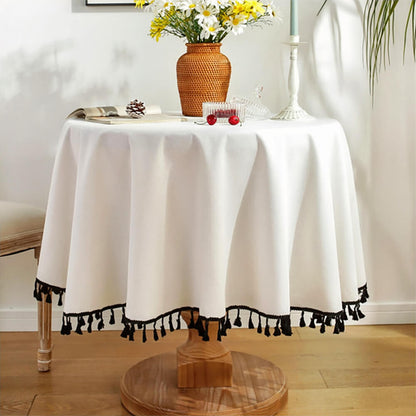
(58, 55)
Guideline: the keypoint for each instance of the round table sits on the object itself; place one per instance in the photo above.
(208, 222)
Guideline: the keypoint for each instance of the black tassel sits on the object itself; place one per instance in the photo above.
(69, 325)
(39, 296)
(341, 325)
(350, 311)
(223, 328)
(318, 318)
(100, 324)
(206, 336)
(171, 328)
(199, 326)
(219, 331)
(286, 327)
(192, 323)
(259, 328)
(178, 321)
(360, 314)
(267, 328)
(131, 332)
(344, 315)
(60, 299)
(66, 326)
(80, 324)
(125, 332)
(155, 335)
(250, 321)
(237, 321)
(78, 330)
(322, 330)
(144, 338)
(90, 320)
(364, 294)
(355, 315)
(302, 323)
(277, 332)
(49, 297)
(97, 315)
(328, 321)
(112, 319)
(312, 323)
(336, 328)
(63, 327)
(228, 322)
(162, 328)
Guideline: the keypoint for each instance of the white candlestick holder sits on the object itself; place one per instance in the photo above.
(293, 111)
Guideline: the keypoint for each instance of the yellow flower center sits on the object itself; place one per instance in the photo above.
(206, 13)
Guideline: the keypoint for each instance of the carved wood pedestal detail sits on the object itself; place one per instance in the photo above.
(213, 380)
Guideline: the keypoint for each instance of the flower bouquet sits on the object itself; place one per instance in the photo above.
(203, 73)
(205, 21)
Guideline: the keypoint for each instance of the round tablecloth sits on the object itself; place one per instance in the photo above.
(154, 218)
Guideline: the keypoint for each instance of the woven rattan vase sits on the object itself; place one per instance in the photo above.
(203, 75)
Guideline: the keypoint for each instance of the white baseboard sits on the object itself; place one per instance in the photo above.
(16, 320)
(379, 314)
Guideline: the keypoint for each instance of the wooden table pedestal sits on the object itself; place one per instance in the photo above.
(203, 378)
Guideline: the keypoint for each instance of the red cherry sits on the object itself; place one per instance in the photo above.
(211, 119)
(233, 120)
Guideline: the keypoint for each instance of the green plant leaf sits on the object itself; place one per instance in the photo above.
(379, 31)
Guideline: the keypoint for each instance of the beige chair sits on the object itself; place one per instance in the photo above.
(21, 229)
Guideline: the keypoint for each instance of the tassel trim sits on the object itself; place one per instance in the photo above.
(280, 324)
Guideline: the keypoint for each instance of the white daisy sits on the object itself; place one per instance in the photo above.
(207, 13)
(237, 23)
(161, 5)
(210, 29)
(272, 11)
(187, 6)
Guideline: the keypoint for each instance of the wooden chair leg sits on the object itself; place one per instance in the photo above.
(44, 329)
(45, 334)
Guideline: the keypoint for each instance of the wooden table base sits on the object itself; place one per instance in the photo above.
(150, 388)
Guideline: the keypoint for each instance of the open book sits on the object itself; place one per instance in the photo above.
(118, 115)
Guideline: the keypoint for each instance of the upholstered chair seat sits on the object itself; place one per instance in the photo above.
(21, 228)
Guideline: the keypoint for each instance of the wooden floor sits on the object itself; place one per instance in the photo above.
(369, 370)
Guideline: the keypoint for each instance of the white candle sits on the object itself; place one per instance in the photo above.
(294, 17)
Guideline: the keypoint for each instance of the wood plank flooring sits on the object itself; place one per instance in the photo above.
(368, 370)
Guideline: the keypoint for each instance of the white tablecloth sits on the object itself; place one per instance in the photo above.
(156, 217)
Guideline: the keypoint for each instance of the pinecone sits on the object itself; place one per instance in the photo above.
(136, 109)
